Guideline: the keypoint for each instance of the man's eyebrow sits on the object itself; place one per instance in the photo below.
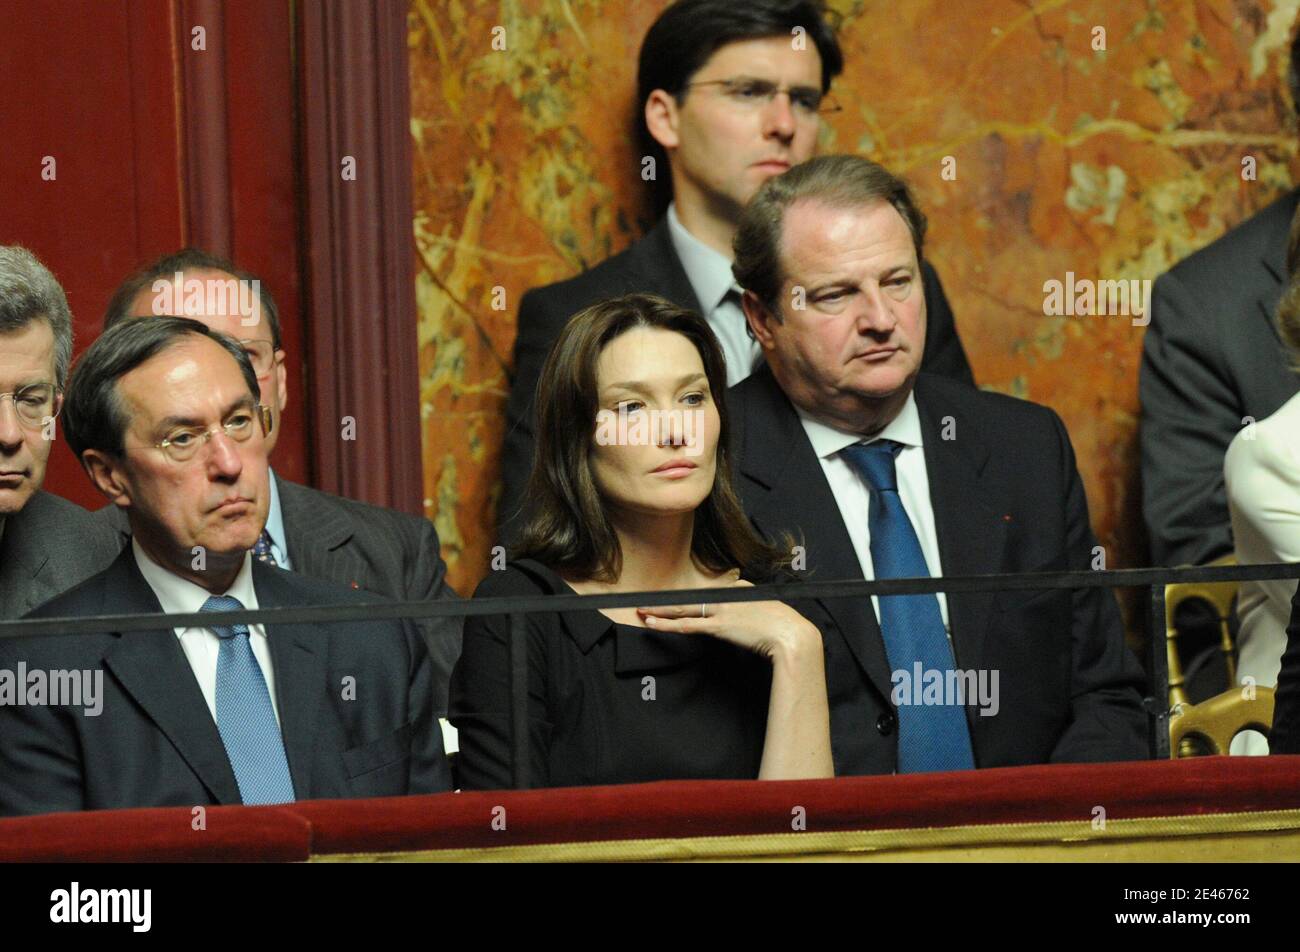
(637, 386)
(245, 402)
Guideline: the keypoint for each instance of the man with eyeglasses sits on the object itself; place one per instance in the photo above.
(731, 94)
(164, 416)
(316, 533)
(47, 544)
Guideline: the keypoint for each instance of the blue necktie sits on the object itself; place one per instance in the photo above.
(930, 736)
(245, 717)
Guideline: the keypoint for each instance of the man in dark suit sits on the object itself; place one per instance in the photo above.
(164, 416)
(47, 544)
(711, 79)
(318, 534)
(1212, 364)
(886, 472)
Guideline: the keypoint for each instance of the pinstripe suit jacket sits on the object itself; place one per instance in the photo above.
(47, 548)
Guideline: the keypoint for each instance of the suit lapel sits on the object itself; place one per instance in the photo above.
(971, 528)
(777, 456)
(315, 531)
(153, 670)
(654, 267)
(299, 654)
(1274, 262)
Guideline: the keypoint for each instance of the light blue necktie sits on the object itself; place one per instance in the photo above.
(930, 736)
(245, 717)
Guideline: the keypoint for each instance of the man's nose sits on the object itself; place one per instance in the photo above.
(224, 461)
(779, 118)
(875, 316)
(11, 428)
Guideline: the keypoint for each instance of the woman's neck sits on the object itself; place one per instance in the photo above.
(656, 551)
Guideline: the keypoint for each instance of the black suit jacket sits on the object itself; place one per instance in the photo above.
(47, 547)
(370, 548)
(1211, 358)
(1007, 498)
(155, 742)
(649, 266)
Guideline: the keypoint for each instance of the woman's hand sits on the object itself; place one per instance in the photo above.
(772, 629)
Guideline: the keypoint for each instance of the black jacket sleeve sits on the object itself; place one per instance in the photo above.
(1107, 722)
(480, 691)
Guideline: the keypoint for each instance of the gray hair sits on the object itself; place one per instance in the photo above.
(29, 292)
(840, 181)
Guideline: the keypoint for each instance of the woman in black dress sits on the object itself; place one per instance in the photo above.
(631, 491)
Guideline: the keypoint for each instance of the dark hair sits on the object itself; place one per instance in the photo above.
(567, 527)
(93, 415)
(29, 292)
(187, 259)
(840, 181)
(1288, 308)
(688, 32)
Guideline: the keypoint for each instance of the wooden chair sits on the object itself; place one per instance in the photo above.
(1197, 730)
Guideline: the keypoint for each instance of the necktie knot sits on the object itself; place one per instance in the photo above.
(262, 551)
(874, 462)
(225, 603)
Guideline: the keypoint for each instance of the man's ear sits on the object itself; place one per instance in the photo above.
(758, 316)
(107, 474)
(281, 380)
(661, 118)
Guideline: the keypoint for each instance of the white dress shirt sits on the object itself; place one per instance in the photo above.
(201, 645)
(1262, 477)
(710, 275)
(854, 498)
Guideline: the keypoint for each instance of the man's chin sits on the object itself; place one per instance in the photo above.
(13, 499)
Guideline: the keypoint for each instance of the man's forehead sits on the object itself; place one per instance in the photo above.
(814, 231)
(767, 57)
(193, 371)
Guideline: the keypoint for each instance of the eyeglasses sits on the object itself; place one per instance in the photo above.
(35, 404)
(183, 443)
(261, 353)
(807, 101)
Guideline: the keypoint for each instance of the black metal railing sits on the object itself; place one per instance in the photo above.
(1154, 580)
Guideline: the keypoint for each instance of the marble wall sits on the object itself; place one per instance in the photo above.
(1034, 153)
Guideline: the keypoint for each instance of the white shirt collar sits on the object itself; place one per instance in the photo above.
(708, 271)
(275, 519)
(177, 595)
(828, 440)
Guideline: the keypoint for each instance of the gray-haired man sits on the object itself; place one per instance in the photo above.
(47, 544)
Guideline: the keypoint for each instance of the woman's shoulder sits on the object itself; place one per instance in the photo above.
(520, 577)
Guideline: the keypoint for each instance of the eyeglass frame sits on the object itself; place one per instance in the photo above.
(732, 86)
(263, 413)
(56, 396)
(245, 341)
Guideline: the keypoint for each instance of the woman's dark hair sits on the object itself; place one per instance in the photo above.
(688, 32)
(567, 526)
